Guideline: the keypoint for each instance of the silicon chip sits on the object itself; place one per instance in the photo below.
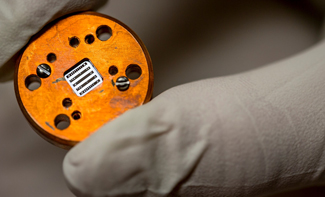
(83, 77)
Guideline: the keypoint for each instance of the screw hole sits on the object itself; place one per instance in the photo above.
(33, 82)
(62, 122)
(51, 57)
(89, 39)
(133, 71)
(76, 115)
(67, 103)
(74, 42)
(104, 32)
(113, 70)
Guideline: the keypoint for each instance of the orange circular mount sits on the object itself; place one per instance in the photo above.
(79, 73)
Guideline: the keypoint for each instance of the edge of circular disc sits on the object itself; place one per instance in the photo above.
(63, 143)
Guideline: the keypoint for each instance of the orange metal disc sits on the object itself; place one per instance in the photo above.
(84, 80)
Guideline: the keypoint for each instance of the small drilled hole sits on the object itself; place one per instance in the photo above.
(76, 115)
(113, 70)
(62, 122)
(67, 103)
(33, 82)
(89, 39)
(51, 57)
(133, 71)
(74, 42)
(104, 32)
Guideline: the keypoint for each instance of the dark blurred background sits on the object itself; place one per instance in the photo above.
(188, 40)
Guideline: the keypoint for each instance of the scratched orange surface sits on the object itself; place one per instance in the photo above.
(99, 106)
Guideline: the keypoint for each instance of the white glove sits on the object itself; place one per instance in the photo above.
(243, 135)
(248, 134)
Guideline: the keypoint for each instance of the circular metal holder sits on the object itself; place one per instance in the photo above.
(79, 73)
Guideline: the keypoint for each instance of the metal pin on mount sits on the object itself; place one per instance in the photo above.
(43, 71)
(122, 83)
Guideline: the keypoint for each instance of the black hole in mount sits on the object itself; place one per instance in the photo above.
(76, 115)
(33, 82)
(133, 71)
(51, 57)
(67, 103)
(74, 42)
(62, 122)
(113, 70)
(89, 39)
(104, 32)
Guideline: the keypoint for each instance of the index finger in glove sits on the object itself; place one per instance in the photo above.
(20, 20)
(243, 135)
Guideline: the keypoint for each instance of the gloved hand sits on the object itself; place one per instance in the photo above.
(22, 19)
(243, 135)
(246, 134)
